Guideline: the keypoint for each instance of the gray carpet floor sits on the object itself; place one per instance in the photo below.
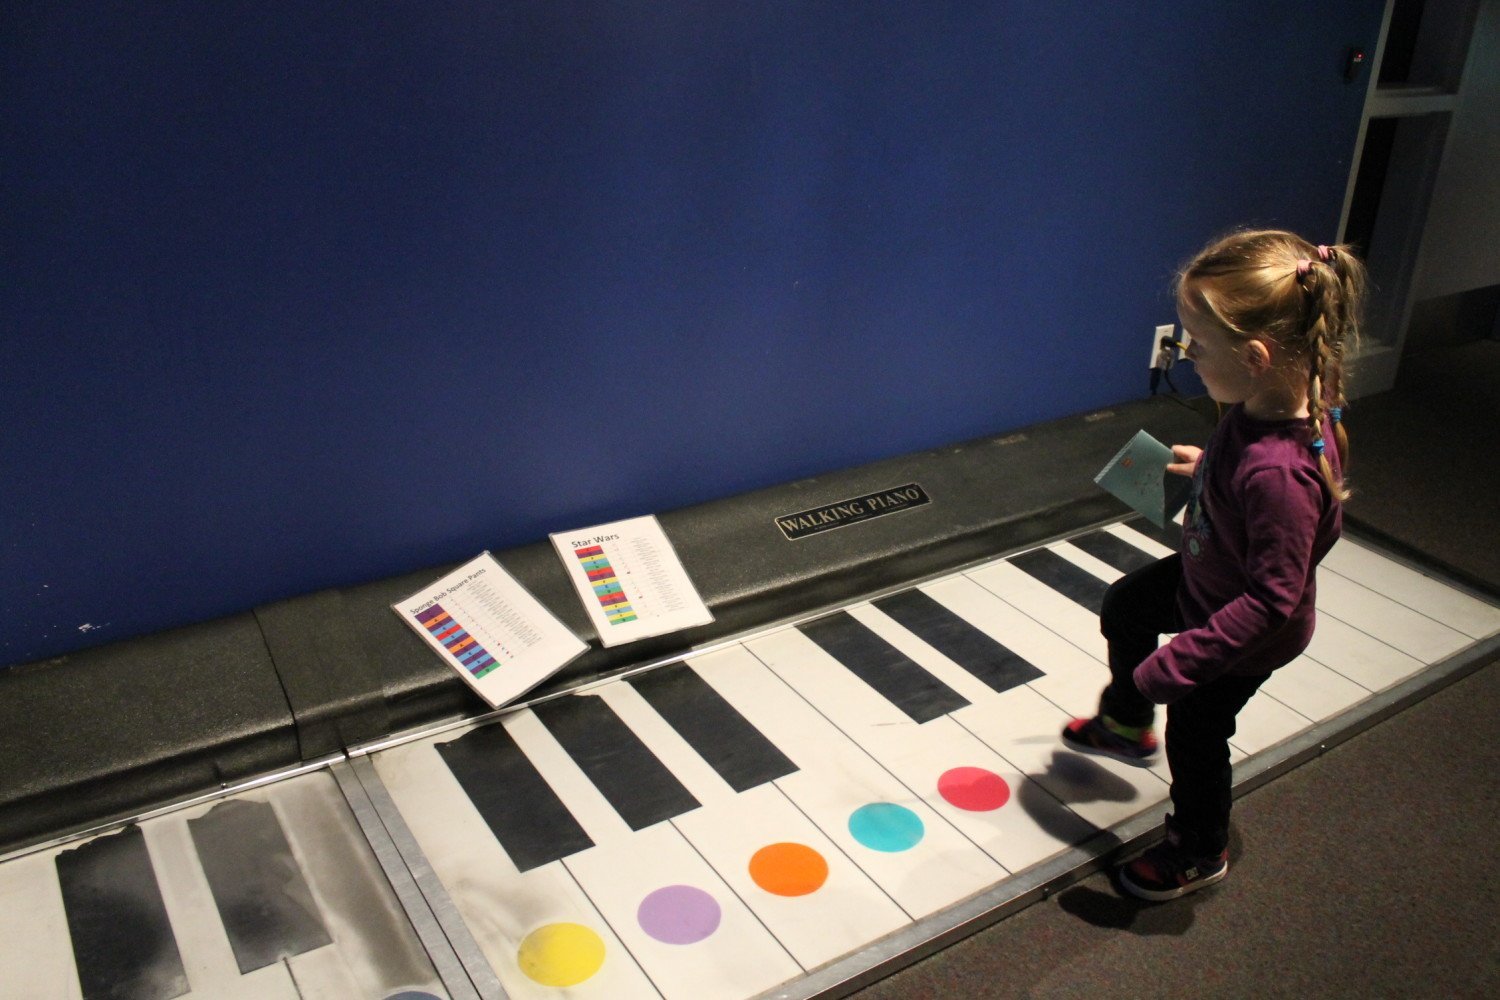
(1369, 871)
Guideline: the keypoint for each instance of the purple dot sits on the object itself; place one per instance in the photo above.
(679, 914)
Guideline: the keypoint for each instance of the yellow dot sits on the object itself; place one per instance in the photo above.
(561, 954)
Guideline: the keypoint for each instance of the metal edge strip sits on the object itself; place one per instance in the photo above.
(413, 902)
(459, 940)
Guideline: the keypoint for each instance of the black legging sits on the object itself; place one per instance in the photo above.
(1137, 609)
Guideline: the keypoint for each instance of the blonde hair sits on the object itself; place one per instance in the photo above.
(1274, 285)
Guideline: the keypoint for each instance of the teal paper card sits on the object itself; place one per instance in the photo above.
(1138, 475)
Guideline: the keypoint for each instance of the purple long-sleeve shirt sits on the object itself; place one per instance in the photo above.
(1259, 522)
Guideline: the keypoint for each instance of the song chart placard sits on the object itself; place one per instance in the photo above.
(630, 580)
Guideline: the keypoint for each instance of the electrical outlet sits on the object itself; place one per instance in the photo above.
(1161, 331)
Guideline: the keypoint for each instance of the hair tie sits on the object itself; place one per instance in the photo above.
(1303, 267)
(1325, 253)
(1335, 413)
(1317, 446)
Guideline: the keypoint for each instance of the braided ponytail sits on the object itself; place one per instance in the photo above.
(1318, 391)
(1335, 283)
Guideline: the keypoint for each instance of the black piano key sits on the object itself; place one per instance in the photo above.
(264, 902)
(123, 946)
(522, 810)
(723, 737)
(1114, 550)
(623, 768)
(958, 640)
(885, 668)
(1063, 577)
(1170, 536)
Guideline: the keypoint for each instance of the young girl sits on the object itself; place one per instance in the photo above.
(1270, 317)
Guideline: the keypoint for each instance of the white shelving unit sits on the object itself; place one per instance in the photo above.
(1415, 84)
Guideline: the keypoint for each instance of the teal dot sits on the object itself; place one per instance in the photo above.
(885, 826)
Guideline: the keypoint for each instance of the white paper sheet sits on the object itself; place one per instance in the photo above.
(490, 630)
(630, 580)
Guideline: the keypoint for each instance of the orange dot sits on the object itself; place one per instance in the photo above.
(789, 869)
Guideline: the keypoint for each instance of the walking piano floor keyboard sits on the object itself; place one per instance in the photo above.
(769, 816)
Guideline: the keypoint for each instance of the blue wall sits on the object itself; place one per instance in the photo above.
(297, 297)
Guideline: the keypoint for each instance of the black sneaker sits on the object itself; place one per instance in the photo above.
(1093, 736)
(1167, 870)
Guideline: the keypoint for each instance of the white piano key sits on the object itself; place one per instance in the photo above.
(1405, 585)
(1264, 722)
(850, 909)
(837, 777)
(1141, 541)
(1072, 680)
(324, 974)
(37, 957)
(844, 913)
(695, 773)
(1046, 606)
(587, 804)
(829, 686)
(1358, 563)
(1362, 658)
(1073, 683)
(1412, 633)
(727, 831)
(1350, 654)
(716, 949)
(1015, 835)
(1024, 728)
(1311, 689)
(1341, 595)
(500, 905)
(1089, 564)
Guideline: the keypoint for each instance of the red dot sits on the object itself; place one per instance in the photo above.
(974, 789)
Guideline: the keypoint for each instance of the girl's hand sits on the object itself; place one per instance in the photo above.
(1187, 457)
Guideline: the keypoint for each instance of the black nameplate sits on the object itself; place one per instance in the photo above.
(852, 511)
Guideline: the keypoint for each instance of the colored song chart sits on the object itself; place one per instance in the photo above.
(490, 630)
(606, 584)
(456, 639)
(630, 580)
